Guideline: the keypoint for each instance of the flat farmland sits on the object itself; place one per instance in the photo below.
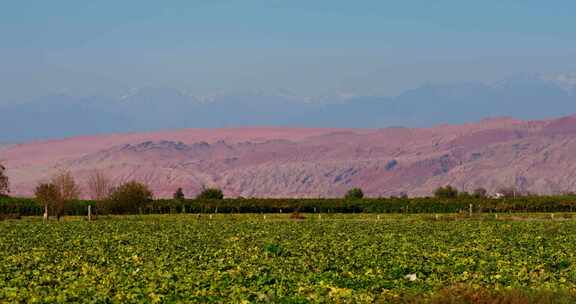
(351, 258)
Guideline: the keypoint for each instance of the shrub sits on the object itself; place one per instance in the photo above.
(354, 193)
(4, 185)
(130, 197)
(179, 194)
(480, 193)
(446, 192)
(211, 193)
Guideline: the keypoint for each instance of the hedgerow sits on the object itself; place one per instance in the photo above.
(28, 206)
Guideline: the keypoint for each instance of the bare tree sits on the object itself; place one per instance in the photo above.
(99, 186)
(68, 191)
(4, 184)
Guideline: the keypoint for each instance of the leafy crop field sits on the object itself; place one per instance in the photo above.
(270, 258)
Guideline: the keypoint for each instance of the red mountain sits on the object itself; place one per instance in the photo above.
(536, 156)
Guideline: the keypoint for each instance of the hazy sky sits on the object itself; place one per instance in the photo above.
(308, 47)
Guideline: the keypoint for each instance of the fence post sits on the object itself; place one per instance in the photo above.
(89, 212)
(470, 209)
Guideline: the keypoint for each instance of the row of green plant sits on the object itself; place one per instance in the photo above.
(126, 202)
(248, 258)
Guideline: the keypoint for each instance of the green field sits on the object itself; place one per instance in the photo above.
(270, 258)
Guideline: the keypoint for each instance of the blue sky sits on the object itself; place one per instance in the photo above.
(306, 47)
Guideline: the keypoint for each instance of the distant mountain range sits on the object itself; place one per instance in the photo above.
(148, 109)
(535, 155)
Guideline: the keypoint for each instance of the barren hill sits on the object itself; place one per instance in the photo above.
(536, 156)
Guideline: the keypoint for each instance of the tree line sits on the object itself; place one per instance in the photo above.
(126, 198)
(61, 195)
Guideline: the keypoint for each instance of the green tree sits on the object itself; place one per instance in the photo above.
(446, 192)
(354, 193)
(179, 194)
(210, 193)
(4, 184)
(129, 197)
(47, 196)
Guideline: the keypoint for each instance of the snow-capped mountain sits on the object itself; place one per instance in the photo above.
(149, 108)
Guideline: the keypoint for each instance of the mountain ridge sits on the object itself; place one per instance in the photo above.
(149, 109)
(531, 155)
